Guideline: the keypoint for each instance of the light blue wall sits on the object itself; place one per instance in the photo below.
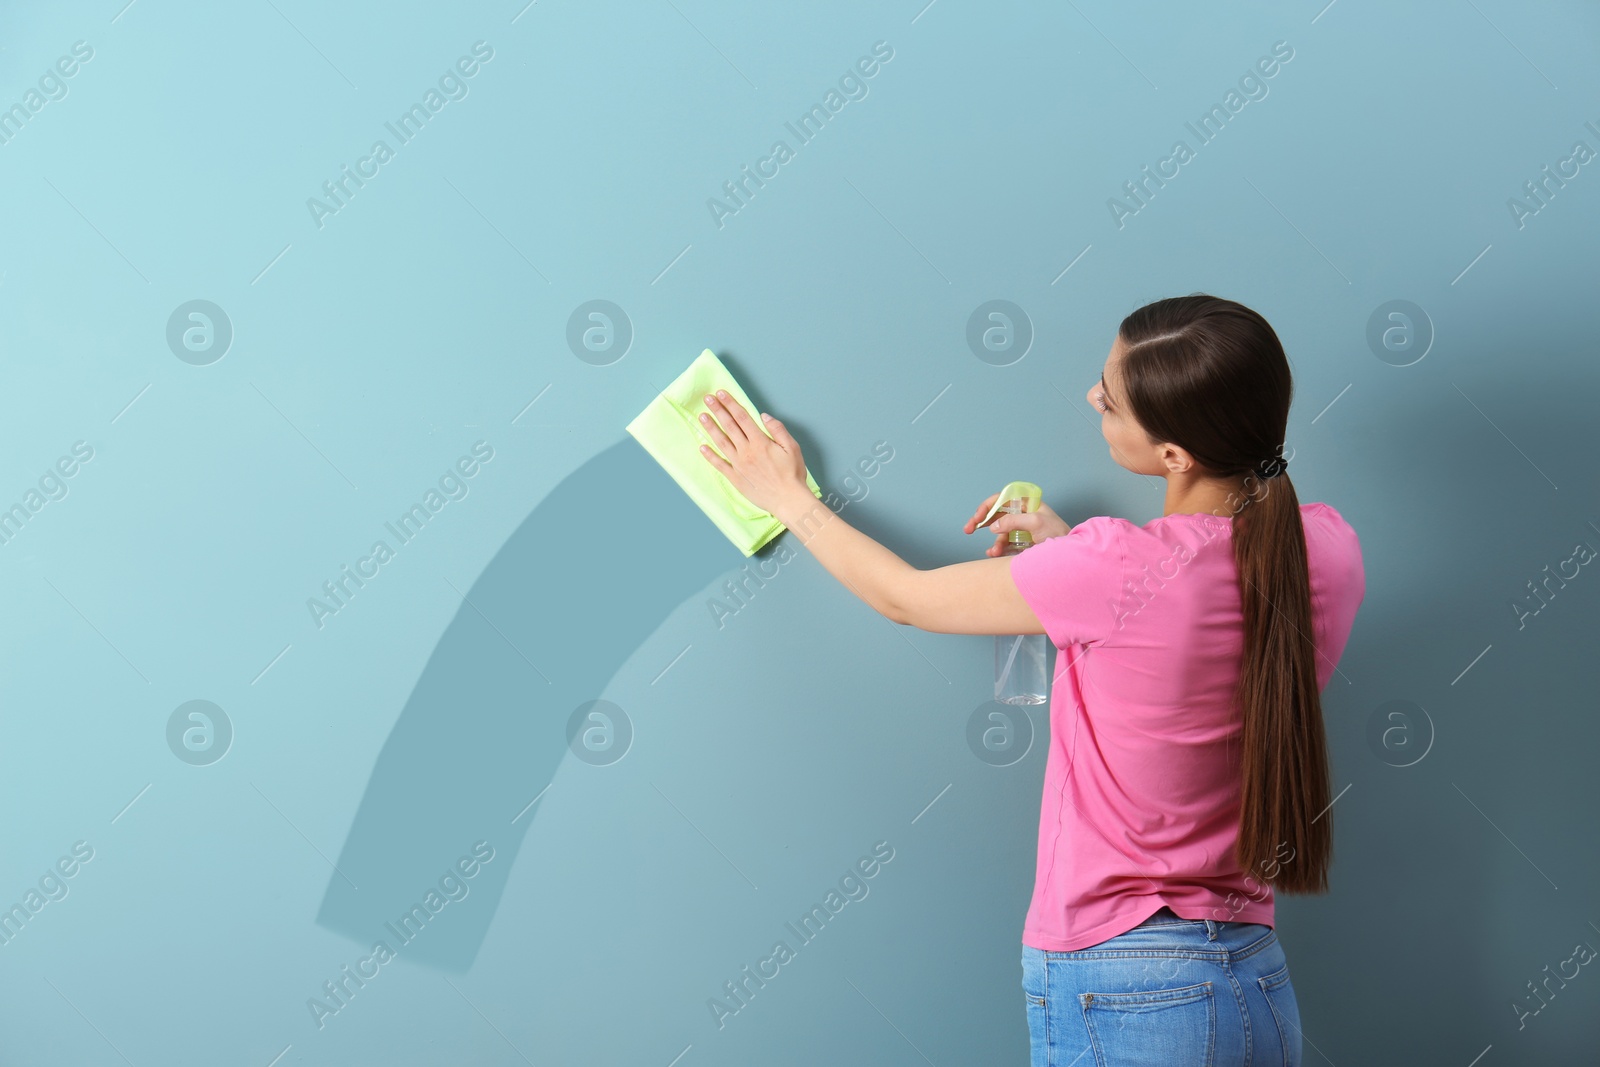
(374, 347)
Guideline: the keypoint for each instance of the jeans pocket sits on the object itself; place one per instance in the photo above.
(1155, 1028)
(1038, 1030)
(1033, 975)
(1285, 1012)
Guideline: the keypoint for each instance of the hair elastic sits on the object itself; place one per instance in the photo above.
(1272, 467)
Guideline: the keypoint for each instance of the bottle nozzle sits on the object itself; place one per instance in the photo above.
(1016, 498)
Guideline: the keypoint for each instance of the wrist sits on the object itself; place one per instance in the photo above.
(801, 509)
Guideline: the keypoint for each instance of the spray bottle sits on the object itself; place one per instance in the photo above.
(1020, 670)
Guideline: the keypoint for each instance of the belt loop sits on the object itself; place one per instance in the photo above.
(1211, 930)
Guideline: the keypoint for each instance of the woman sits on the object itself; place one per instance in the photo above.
(1187, 776)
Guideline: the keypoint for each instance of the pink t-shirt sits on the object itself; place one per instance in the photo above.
(1141, 785)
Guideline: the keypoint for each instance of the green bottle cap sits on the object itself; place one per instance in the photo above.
(1025, 493)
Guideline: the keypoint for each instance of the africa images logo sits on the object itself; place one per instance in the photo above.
(852, 85)
(452, 86)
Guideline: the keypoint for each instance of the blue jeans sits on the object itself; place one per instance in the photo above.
(1171, 992)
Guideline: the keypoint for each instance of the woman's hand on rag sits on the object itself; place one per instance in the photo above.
(765, 469)
(1042, 524)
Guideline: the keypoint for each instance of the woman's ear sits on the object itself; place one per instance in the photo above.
(1176, 459)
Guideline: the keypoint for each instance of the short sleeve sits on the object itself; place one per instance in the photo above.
(1338, 582)
(1071, 582)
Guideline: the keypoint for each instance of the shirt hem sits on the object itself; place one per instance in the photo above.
(1032, 938)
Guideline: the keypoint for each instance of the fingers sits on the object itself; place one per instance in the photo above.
(739, 425)
(780, 433)
(717, 461)
(742, 417)
(983, 509)
(719, 439)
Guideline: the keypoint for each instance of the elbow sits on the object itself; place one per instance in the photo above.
(898, 599)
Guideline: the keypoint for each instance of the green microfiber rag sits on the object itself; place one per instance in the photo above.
(669, 429)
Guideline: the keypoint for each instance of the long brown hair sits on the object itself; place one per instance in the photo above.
(1210, 376)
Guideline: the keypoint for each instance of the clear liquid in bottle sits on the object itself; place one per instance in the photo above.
(1021, 664)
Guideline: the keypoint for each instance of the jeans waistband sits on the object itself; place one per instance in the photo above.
(1198, 938)
(1166, 915)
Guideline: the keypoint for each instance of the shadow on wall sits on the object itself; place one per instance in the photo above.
(483, 732)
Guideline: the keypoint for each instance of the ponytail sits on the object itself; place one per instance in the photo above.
(1285, 824)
